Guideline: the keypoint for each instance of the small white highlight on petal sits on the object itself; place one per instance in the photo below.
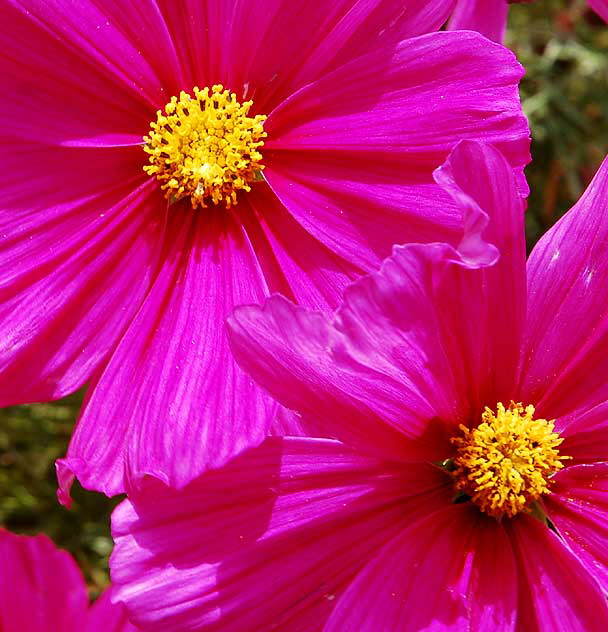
(555, 256)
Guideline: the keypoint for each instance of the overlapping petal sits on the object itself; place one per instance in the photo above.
(556, 592)
(586, 434)
(361, 142)
(439, 574)
(578, 506)
(172, 383)
(105, 616)
(294, 263)
(274, 552)
(563, 358)
(415, 345)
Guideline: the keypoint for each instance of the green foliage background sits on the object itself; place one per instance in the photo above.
(564, 48)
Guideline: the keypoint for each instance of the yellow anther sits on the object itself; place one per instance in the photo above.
(205, 147)
(505, 463)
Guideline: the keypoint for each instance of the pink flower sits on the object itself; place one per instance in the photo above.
(464, 485)
(109, 273)
(42, 590)
(490, 16)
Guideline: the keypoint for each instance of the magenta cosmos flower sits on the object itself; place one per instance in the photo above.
(287, 146)
(468, 485)
(42, 590)
(490, 16)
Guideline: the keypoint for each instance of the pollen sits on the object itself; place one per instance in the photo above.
(205, 147)
(506, 462)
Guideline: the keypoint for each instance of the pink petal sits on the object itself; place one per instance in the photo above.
(425, 342)
(272, 553)
(600, 7)
(64, 299)
(105, 616)
(297, 356)
(295, 264)
(171, 401)
(452, 570)
(564, 361)
(351, 155)
(483, 315)
(586, 434)
(555, 591)
(41, 588)
(94, 77)
(267, 49)
(578, 505)
(488, 17)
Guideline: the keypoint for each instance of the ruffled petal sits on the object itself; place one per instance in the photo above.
(453, 570)
(105, 616)
(351, 155)
(64, 300)
(95, 76)
(488, 17)
(171, 387)
(425, 342)
(578, 506)
(564, 360)
(556, 592)
(274, 552)
(41, 588)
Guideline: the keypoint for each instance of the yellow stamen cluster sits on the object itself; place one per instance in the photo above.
(504, 464)
(205, 147)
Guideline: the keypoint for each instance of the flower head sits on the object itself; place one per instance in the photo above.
(42, 590)
(459, 475)
(167, 163)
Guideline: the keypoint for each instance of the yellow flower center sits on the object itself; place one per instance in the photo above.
(205, 147)
(504, 464)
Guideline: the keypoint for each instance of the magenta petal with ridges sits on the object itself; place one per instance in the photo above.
(452, 570)
(172, 384)
(291, 352)
(276, 551)
(128, 45)
(64, 299)
(362, 141)
(294, 263)
(564, 360)
(488, 17)
(41, 588)
(556, 592)
(270, 48)
(482, 316)
(578, 506)
(586, 434)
